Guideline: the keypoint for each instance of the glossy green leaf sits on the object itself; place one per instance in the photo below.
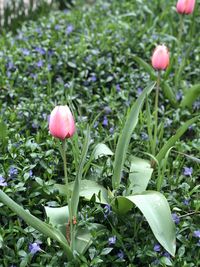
(175, 138)
(169, 94)
(156, 210)
(140, 174)
(125, 136)
(191, 95)
(88, 189)
(3, 130)
(58, 217)
(102, 150)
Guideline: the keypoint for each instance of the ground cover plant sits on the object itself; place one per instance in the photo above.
(96, 58)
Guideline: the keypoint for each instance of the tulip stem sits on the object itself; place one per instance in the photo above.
(156, 115)
(65, 168)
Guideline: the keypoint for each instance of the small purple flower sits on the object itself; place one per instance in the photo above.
(34, 248)
(2, 181)
(107, 210)
(40, 63)
(40, 50)
(157, 248)
(144, 136)
(120, 254)
(196, 233)
(112, 240)
(93, 78)
(107, 110)
(196, 105)
(12, 172)
(188, 171)
(30, 173)
(111, 130)
(179, 95)
(139, 91)
(10, 65)
(69, 29)
(175, 218)
(118, 89)
(105, 121)
(25, 52)
(57, 27)
(186, 201)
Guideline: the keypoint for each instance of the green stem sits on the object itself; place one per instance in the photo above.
(156, 115)
(68, 192)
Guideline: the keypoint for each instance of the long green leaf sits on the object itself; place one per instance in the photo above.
(174, 138)
(145, 66)
(36, 223)
(169, 94)
(156, 210)
(192, 94)
(125, 136)
(76, 187)
(140, 174)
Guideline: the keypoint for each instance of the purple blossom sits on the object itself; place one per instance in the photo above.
(40, 50)
(34, 248)
(12, 172)
(10, 65)
(157, 248)
(179, 95)
(30, 173)
(112, 240)
(196, 105)
(69, 29)
(107, 210)
(105, 121)
(118, 89)
(25, 51)
(120, 254)
(39, 63)
(2, 181)
(139, 91)
(57, 27)
(196, 233)
(166, 254)
(188, 171)
(186, 201)
(111, 130)
(107, 110)
(144, 136)
(175, 218)
(93, 78)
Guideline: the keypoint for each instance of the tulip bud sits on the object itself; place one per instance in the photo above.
(160, 58)
(61, 122)
(185, 6)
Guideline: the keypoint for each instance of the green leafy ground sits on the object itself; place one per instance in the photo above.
(85, 58)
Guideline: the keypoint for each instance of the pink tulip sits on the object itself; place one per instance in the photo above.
(160, 58)
(185, 6)
(61, 122)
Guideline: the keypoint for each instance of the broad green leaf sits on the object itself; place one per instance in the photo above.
(88, 189)
(102, 150)
(125, 136)
(140, 174)
(145, 66)
(156, 210)
(191, 95)
(36, 223)
(175, 138)
(58, 217)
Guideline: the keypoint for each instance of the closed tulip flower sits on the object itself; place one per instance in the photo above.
(61, 122)
(160, 58)
(185, 6)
